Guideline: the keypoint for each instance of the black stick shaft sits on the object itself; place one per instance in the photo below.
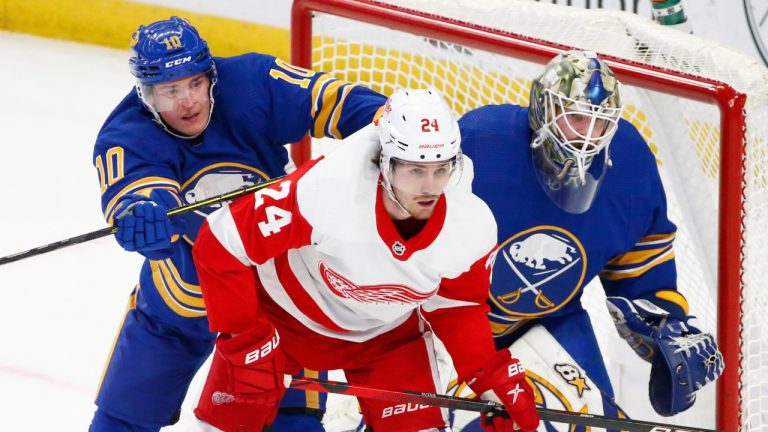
(445, 401)
(111, 230)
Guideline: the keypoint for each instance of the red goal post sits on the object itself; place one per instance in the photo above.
(673, 76)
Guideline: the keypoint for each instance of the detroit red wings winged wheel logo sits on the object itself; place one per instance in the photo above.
(379, 294)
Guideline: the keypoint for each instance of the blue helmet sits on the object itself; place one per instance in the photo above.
(168, 50)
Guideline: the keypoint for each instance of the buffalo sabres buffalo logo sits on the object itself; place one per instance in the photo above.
(381, 294)
(216, 180)
(209, 182)
(540, 270)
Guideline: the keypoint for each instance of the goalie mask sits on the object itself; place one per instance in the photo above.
(420, 144)
(574, 113)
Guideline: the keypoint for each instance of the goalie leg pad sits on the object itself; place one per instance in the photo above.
(557, 374)
(553, 354)
(564, 365)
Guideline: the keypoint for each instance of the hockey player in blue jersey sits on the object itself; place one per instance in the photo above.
(196, 126)
(577, 195)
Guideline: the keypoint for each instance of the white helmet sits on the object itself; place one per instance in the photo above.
(418, 126)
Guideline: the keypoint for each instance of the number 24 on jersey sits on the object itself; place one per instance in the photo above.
(276, 217)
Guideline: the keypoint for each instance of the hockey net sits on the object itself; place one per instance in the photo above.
(702, 108)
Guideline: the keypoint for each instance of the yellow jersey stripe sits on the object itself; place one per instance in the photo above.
(129, 307)
(637, 257)
(330, 95)
(379, 113)
(336, 116)
(500, 329)
(169, 300)
(656, 239)
(637, 271)
(188, 240)
(312, 397)
(144, 183)
(186, 286)
(182, 297)
(317, 90)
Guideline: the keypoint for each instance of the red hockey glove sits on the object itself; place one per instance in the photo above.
(246, 381)
(502, 380)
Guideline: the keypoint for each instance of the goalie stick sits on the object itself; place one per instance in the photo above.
(445, 401)
(111, 230)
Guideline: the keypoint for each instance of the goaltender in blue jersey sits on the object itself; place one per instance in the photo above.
(195, 127)
(577, 195)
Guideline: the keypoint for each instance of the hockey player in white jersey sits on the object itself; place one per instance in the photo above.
(353, 262)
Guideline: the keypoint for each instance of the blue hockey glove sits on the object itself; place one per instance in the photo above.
(143, 225)
(683, 359)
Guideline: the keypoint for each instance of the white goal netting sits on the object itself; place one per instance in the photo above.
(722, 260)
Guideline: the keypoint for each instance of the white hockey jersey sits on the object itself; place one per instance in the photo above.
(326, 251)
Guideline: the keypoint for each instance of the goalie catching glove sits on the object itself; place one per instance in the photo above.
(683, 359)
(502, 380)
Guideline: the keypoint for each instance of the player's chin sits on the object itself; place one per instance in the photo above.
(422, 210)
(193, 126)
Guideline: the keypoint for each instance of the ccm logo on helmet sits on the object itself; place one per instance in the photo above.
(264, 350)
(177, 62)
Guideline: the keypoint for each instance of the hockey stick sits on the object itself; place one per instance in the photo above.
(444, 401)
(111, 230)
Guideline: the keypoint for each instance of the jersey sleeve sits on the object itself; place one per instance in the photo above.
(248, 232)
(304, 100)
(458, 315)
(129, 166)
(647, 270)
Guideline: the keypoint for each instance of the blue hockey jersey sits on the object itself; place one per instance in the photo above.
(261, 103)
(547, 256)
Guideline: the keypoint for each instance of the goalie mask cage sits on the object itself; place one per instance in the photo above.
(700, 106)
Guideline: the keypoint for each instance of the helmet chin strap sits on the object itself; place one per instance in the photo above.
(388, 187)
